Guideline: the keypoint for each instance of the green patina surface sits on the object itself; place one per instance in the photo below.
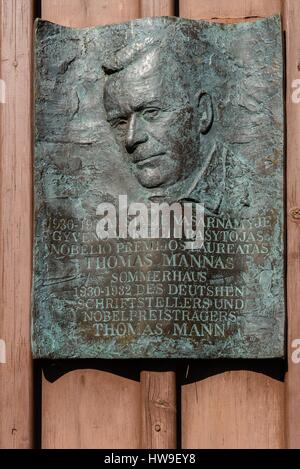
(160, 110)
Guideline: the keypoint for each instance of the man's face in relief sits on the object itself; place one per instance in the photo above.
(154, 121)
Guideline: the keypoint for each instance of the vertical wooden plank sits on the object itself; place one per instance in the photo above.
(82, 13)
(158, 390)
(158, 398)
(91, 409)
(237, 409)
(105, 410)
(228, 11)
(16, 405)
(291, 26)
(157, 7)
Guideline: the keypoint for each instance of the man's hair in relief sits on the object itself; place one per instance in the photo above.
(129, 54)
(174, 57)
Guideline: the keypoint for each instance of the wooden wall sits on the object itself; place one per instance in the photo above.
(16, 380)
(235, 409)
(88, 408)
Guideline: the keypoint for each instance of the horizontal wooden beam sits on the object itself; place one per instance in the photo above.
(228, 10)
(83, 13)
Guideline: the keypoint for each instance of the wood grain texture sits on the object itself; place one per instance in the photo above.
(158, 390)
(228, 11)
(91, 409)
(157, 7)
(158, 407)
(291, 26)
(236, 409)
(16, 388)
(83, 13)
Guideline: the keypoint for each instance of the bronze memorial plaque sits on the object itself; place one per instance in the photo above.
(158, 190)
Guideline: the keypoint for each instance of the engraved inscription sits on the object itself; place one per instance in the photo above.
(159, 190)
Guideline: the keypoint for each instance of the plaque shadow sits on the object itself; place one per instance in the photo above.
(187, 370)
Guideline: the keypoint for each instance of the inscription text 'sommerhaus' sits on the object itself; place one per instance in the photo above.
(137, 125)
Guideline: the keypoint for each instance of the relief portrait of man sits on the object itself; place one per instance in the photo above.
(159, 116)
(158, 113)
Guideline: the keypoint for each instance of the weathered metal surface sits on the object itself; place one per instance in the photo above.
(159, 110)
